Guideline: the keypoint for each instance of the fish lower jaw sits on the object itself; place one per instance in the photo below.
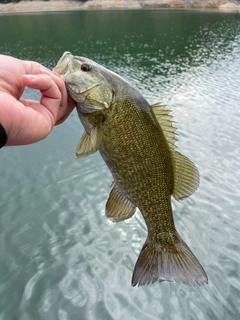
(74, 89)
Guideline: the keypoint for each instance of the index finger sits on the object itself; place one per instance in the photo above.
(67, 103)
(51, 95)
(32, 67)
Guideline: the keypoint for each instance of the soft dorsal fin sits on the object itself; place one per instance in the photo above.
(163, 117)
(186, 176)
(118, 207)
(89, 143)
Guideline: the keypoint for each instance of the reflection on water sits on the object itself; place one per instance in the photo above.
(60, 258)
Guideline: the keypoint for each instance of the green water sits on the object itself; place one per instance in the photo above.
(60, 258)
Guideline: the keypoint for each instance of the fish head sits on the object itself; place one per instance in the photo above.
(85, 82)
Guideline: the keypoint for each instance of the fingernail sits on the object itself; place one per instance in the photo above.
(31, 76)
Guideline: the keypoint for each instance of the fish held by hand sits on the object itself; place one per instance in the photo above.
(137, 142)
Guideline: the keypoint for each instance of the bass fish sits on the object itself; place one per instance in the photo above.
(137, 142)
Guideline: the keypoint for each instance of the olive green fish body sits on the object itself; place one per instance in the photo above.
(136, 155)
(137, 143)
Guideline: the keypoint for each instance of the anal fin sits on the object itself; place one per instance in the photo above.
(118, 207)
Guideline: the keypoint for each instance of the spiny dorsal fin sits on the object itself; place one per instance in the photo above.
(89, 143)
(164, 119)
(186, 176)
(118, 207)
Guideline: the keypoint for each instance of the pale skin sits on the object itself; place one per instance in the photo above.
(29, 121)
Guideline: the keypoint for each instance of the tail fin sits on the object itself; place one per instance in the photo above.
(174, 262)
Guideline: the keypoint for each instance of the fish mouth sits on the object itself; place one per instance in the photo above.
(65, 68)
(62, 66)
(79, 90)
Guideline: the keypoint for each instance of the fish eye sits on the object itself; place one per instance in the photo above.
(85, 67)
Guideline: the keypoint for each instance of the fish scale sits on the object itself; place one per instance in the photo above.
(137, 142)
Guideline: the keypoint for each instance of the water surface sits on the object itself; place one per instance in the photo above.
(60, 258)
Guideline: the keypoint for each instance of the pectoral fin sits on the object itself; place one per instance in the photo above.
(118, 207)
(89, 143)
(186, 176)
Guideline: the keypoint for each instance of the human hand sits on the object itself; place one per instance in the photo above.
(28, 121)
